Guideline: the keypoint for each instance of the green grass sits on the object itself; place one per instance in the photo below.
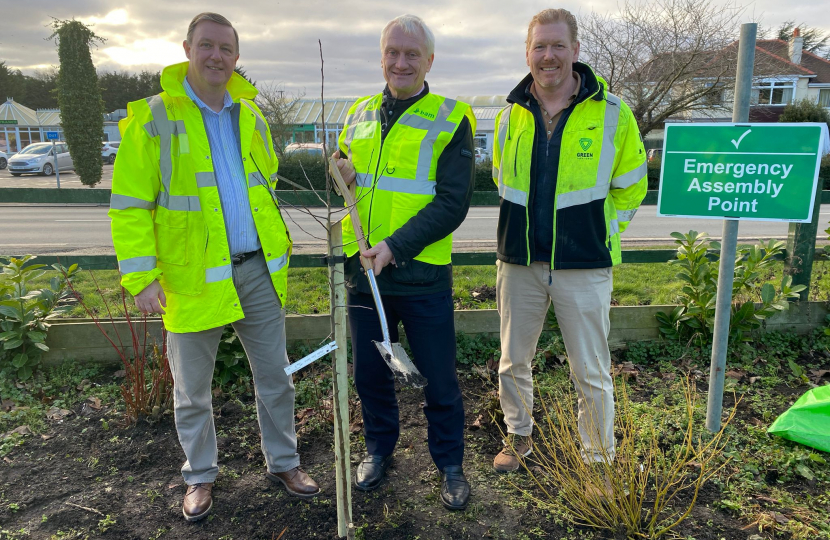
(308, 292)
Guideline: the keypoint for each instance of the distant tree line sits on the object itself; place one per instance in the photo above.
(38, 91)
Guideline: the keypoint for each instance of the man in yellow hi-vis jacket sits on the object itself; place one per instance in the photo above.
(571, 171)
(410, 152)
(200, 239)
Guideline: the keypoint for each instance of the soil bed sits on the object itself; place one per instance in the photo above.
(90, 476)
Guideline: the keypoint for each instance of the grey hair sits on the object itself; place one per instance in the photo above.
(413, 26)
(213, 17)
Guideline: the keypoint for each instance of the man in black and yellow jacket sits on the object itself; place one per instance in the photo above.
(571, 171)
(410, 153)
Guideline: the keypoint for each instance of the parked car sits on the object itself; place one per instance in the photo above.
(312, 149)
(482, 155)
(654, 153)
(4, 160)
(38, 158)
(108, 151)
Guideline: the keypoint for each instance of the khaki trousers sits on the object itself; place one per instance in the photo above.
(582, 302)
(192, 357)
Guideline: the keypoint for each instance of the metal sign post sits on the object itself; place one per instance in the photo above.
(53, 136)
(738, 171)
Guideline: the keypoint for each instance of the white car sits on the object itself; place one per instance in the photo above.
(4, 160)
(108, 151)
(38, 158)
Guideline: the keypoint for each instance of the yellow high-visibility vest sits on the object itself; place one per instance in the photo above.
(396, 177)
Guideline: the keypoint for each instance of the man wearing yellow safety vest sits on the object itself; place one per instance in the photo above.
(571, 171)
(200, 239)
(411, 154)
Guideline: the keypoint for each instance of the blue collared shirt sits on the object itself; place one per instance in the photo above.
(223, 137)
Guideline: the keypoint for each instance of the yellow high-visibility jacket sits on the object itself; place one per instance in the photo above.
(396, 177)
(167, 220)
(601, 180)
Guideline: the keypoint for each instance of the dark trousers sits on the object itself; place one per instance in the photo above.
(430, 329)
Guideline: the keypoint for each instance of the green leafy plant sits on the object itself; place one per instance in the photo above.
(753, 300)
(231, 366)
(24, 313)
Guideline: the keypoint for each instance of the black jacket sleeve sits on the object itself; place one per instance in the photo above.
(455, 178)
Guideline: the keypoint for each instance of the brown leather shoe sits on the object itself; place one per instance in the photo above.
(296, 482)
(197, 501)
(515, 448)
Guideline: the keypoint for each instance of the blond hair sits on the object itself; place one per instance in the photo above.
(553, 16)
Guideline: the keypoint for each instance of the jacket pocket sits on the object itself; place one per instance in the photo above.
(181, 255)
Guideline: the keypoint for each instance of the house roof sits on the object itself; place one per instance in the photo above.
(810, 63)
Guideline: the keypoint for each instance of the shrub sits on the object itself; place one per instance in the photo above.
(694, 318)
(79, 97)
(24, 313)
(646, 491)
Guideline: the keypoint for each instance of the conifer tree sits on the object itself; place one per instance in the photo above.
(79, 98)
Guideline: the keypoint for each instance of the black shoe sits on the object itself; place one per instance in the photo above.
(455, 490)
(370, 472)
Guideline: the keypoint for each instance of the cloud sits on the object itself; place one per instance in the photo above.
(479, 44)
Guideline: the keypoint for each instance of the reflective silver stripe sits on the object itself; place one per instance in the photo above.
(364, 180)
(496, 172)
(609, 131)
(274, 178)
(218, 273)
(436, 127)
(626, 215)
(606, 161)
(406, 185)
(186, 203)
(261, 126)
(164, 128)
(630, 178)
(137, 264)
(275, 265)
(583, 196)
(504, 123)
(205, 179)
(516, 196)
(123, 202)
(256, 179)
(613, 227)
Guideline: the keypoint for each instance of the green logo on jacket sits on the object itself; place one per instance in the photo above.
(585, 143)
(424, 114)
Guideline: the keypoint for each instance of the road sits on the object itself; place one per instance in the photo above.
(85, 229)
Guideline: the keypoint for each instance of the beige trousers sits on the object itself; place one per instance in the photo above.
(582, 302)
(192, 357)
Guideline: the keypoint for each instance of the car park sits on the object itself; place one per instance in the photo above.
(109, 151)
(38, 158)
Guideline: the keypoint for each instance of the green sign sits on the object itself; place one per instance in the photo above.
(8, 122)
(753, 172)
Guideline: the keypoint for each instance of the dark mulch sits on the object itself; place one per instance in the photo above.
(66, 486)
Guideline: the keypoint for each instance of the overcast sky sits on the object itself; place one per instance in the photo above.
(479, 44)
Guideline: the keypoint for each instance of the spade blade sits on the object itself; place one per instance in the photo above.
(402, 367)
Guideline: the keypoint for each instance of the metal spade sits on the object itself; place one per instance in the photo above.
(393, 353)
